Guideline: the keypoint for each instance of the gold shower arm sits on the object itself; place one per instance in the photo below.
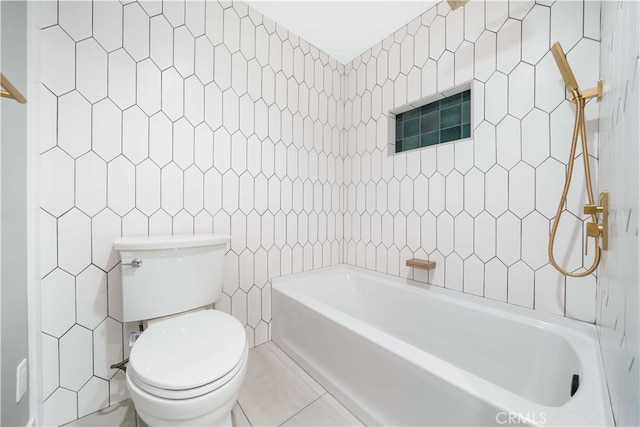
(11, 91)
(570, 79)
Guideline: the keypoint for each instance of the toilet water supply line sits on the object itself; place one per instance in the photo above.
(594, 229)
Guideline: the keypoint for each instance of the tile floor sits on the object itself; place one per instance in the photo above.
(276, 392)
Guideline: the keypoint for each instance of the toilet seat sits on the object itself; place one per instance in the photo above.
(189, 355)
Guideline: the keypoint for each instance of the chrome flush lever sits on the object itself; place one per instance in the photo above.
(136, 262)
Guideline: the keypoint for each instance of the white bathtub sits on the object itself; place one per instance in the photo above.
(396, 352)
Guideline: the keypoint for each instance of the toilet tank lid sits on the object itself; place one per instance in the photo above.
(169, 241)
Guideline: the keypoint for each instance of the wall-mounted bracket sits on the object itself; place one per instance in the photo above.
(594, 92)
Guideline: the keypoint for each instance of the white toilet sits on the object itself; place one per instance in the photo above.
(188, 365)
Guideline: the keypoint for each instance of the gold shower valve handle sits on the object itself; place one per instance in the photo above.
(593, 230)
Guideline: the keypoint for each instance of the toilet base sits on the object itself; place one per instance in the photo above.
(212, 409)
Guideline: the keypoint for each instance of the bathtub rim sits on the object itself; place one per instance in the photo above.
(580, 336)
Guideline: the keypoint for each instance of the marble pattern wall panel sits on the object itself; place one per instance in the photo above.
(618, 308)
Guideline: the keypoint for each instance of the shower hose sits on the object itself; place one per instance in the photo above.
(580, 128)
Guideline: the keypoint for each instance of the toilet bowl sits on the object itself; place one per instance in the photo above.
(187, 367)
(187, 370)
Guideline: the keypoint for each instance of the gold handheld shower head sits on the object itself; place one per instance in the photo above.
(564, 67)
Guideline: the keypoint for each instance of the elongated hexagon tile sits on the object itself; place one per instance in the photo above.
(485, 56)
(183, 143)
(535, 236)
(182, 223)
(161, 42)
(74, 124)
(231, 110)
(114, 293)
(485, 146)
(213, 106)
(564, 27)
(58, 302)
(463, 230)
(497, 86)
(194, 188)
(508, 236)
(184, 51)
(61, 407)
(160, 223)
(550, 90)
(75, 18)
(50, 365)
(548, 175)
(160, 139)
(172, 94)
(580, 296)
(585, 63)
(204, 59)
(508, 142)
(203, 149)
(495, 273)
(105, 228)
(91, 184)
(107, 348)
(473, 20)
(521, 285)
(194, 100)
(484, 236)
(91, 297)
(521, 189)
(120, 185)
(93, 396)
(135, 135)
(135, 223)
(107, 24)
(57, 182)
(76, 355)
(521, 90)
(91, 70)
(454, 272)
(549, 290)
(136, 31)
(106, 130)
(172, 189)
(535, 137)
(74, 241)
(454, 193)
(474, 276)
(535, 34)
(496, 194)
(48, 242)
(148, 88)
(509, 45)
(147, 187)
(474, 191)
(174, 12)
(122, 78)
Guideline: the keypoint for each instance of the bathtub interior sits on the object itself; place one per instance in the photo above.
(531, 361)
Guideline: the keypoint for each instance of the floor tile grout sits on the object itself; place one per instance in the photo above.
(303, 408)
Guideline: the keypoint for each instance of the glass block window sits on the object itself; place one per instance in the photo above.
(448, 119)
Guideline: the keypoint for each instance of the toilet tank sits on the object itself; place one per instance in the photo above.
(178, 273)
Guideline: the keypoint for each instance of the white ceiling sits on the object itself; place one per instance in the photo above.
(342, 29)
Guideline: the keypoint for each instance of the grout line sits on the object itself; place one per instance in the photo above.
(304, 407)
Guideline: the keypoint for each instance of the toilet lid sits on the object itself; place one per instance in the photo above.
(188, 351)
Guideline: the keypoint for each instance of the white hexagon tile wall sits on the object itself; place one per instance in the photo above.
(199, 116)
(175, 117)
